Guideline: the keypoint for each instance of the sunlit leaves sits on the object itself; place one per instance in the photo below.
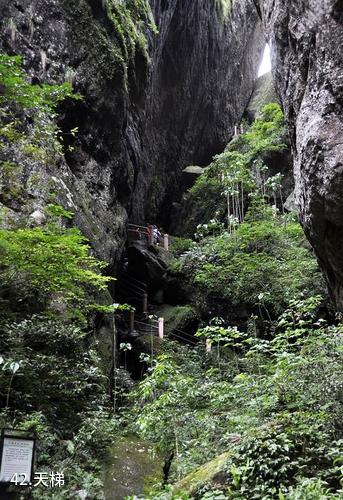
(16, 89)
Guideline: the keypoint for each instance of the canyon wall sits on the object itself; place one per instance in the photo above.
(163, 85)
(307, 40)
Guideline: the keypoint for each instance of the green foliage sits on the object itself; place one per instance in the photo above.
(178, 245)
(121, 41)
(43, 365)
(271, 405)
(59, 392)
(224, 187)
(17, 90)
(50, 261)
(129, 20)
(310, 489)
(264, 263)
(276, 405)
(56, 211)
(28, 129)
(50, 374)
(167, 494)
(212, 228)
(266, 133)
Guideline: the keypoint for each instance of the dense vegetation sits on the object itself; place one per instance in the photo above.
(258, 417)
(261, 414)
(51, 379)
(274, 406)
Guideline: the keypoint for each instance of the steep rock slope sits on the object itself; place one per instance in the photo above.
(204, 65)
(152, 102)
(307, 39)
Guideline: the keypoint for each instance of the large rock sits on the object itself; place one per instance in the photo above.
(179, 319)
(264, 93)
(148, 109)
(146, 264)
(211, 475)
(307, 39)
(203, 73)
(190, 175)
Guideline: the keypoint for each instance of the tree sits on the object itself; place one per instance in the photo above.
(50, 260)
(15, 89)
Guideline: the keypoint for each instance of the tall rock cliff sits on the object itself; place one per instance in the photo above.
(163, 84)
(307, 40)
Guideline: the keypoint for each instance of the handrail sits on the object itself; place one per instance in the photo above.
(180, 331)
(140, 231)
(128, 290)
(178, 337)
(131, 298)
(146, 324)
(136, 225)
(138, 281)
(149, 232)
(147, 328)
(132, 285)
(128, 276)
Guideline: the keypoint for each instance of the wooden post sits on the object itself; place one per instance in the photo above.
(150, 234)
(132, 321)
(114, 353)
(145, 303)
(161, 327)
(166, 242)
(208, 345)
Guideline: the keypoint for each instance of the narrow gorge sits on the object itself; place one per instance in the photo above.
(171, 249)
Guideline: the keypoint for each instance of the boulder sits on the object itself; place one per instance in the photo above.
(264, 93)
(179, 318)
(211, 474)
(146, 264)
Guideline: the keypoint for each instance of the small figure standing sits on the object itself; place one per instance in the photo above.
(157, 235)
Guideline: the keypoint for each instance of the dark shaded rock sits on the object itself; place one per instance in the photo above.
(158, 297)
(264, 93)
(145, 343)
(179, 319)
(175, 292)
(212, 475)
(281, 162)
(307, 39)
(190, 175)
(289, 204)
(205, 65)
(148, 110)
(146, 264)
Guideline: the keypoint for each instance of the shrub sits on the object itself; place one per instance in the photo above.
(263, 264)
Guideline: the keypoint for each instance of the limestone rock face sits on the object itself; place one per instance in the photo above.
(203, 73)
(149, 108)
(146, 264)
(307, 40)
(264, 93)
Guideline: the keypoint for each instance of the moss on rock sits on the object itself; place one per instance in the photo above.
(132, 468)
(177, 317)
(119, 30)
(210, 474)
(224, 7)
